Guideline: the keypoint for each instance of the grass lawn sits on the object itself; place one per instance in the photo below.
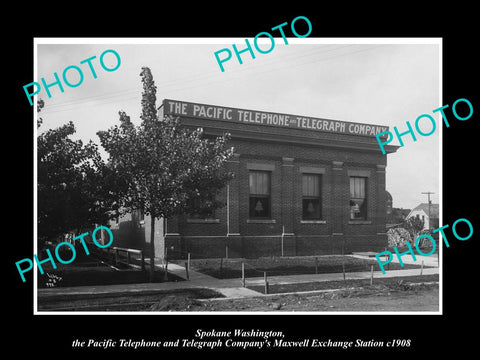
(232, 268)
(88, 270)
(397, 283)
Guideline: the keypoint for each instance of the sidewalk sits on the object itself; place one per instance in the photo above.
(230, 288)
(431, 260)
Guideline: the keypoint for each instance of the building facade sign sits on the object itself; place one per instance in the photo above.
(286, 198)
(182, 108)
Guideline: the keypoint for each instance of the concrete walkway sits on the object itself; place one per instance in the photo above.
(230, 288)
(431, 260)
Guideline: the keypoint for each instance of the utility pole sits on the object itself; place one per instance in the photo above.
(429, 204)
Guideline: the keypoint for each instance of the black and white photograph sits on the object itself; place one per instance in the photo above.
(200, 183)
(270, 186)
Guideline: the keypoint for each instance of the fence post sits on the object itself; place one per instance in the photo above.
(143, 260)
(266, 282)
(316, 265)
(226, 251)
(343, 269)
(421, 269)
(186, 270)
(166, 269)
(188, 261)
(386, 258)
(166, 264)
(243, 274)
(371, 277)
(116, 257)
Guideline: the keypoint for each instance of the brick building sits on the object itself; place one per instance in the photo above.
(302, 186)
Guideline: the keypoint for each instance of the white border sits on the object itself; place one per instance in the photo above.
(187, 41)
(35, 177)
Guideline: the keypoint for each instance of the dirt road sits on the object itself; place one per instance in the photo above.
(374, 298)
(380, 297)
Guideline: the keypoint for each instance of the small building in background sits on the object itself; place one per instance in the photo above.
(428, 213)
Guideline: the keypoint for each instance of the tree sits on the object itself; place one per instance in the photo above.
(74, 186)
(414, 225)
(40, 105)
(165, 165)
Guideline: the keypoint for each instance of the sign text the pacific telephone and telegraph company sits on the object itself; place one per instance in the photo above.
(187, 109)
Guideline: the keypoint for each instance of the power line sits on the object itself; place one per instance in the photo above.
(202, 77)
(95, 97)
(290, 66)
(172, 86)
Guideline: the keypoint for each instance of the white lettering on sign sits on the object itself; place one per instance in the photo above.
(181, 108)
(211, 112)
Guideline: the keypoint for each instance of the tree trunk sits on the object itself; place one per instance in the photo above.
(152, 248)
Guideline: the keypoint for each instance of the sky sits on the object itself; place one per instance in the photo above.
(375, 81)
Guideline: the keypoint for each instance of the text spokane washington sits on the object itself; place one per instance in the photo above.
(200, 333)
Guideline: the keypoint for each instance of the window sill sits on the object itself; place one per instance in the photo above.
(203, 221)
(261, 221)
(313, 221)
(359, 222)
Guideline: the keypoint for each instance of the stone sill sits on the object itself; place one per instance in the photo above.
(203, 221)
(359, 222)
(261, 221)
(313, 222)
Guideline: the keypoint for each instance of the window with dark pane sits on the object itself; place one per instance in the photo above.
(311, 197)
(358, 198)
(201, 207)
(259, 182)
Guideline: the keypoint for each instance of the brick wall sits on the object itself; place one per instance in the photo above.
(263, 238)
(334, 156)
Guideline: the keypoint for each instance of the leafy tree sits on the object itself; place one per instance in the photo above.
(164, 164)
(414, 225)
(74, 186)
(40, 105)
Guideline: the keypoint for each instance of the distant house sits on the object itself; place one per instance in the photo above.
(422, 212)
